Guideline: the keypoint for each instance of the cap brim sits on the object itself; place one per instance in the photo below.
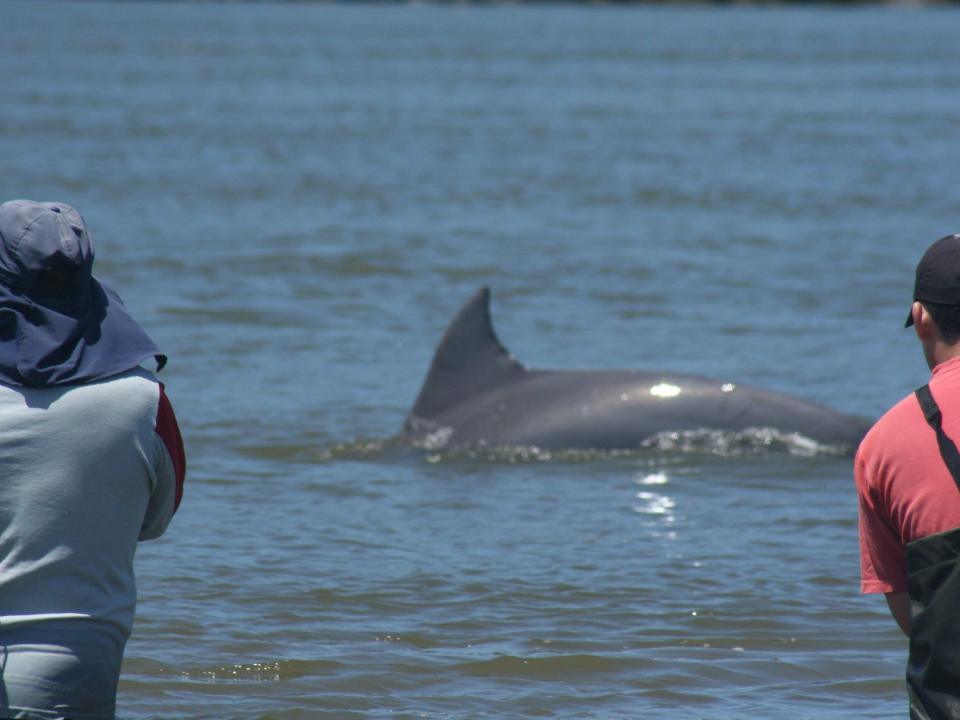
(909, 321)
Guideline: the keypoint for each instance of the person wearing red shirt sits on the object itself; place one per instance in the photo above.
(907, 474)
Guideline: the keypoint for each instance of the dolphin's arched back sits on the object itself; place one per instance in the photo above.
(477, 394)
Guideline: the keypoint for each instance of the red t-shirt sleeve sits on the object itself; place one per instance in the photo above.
(882, 564)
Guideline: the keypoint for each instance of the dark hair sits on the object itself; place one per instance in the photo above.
(947, 318)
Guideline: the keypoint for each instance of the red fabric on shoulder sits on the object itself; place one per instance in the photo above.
(169, 431)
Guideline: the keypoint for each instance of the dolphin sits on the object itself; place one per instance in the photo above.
(476, 394)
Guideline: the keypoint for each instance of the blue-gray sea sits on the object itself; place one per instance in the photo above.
(295, 199)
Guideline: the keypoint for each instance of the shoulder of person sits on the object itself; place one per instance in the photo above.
(896, 424)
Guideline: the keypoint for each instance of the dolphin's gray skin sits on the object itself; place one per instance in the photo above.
(477, 394)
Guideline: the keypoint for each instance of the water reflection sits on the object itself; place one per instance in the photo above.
(652, 502)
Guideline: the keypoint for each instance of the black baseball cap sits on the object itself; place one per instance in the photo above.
(938, 274)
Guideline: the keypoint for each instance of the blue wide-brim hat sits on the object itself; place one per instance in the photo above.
(59, 325)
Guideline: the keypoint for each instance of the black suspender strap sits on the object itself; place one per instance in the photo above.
(948, 450)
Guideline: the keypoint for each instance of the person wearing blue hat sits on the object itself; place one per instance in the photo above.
(91, 462)
(907, 473)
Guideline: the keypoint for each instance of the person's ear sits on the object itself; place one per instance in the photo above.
(922, 320)
(916, 312)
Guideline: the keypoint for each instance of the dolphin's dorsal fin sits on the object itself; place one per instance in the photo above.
(469, 360)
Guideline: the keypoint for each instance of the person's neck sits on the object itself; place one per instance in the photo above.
(943, 352)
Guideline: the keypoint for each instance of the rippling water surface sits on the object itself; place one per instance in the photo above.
(296, 198)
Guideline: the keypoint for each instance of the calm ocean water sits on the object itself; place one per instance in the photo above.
(296, 198)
